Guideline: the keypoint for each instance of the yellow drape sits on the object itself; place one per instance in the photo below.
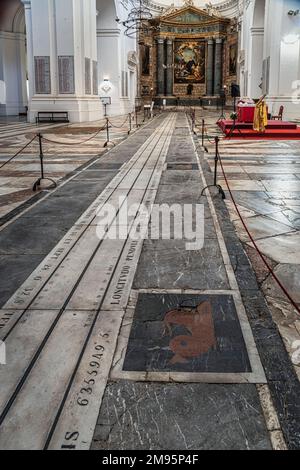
(260, 117)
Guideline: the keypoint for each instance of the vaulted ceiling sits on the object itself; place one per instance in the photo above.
(8, 11)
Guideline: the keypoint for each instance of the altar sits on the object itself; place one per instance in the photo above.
(187, 55)
(246, 113)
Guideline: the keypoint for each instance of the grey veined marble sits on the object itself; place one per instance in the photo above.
(138, 416)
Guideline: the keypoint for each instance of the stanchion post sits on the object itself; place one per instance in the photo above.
(136, 118)
(216, 160)
(203, 129)
(41, 155)
(193, 121)
(216, 185)
(108, 141)
(107, 133)
(37, 184)
(130, 123)
(107, 129)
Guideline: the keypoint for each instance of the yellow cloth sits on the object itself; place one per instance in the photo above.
(260, 117)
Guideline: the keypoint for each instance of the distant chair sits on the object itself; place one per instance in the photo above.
(280, 114)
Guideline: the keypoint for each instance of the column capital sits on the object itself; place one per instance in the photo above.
(257, 31)
(170, 41)
(219, 40)
(160, 40)
(27, 4)
(210, 41)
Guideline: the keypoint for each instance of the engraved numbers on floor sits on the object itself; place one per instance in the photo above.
(60, 337)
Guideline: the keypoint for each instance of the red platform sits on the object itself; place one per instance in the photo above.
(275, 130)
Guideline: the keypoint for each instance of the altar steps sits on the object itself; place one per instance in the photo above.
(274, 130)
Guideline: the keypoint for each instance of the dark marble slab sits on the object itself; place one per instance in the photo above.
(14, 270)
(105, 166)
(68, 207)
(105, 176)
(180, 177)
(183, 166)
(186, 333)
(207, 225)
(25, 237)
(166, 264)
(141, 416)
(181, 194)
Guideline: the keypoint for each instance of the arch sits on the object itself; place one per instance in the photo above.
(12, 16)
(13, 60)
(19, 25)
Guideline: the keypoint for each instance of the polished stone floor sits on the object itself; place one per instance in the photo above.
(60, 158)
(125, 344)
(264, 177)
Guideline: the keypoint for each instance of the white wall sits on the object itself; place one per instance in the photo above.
(113, 49)
(64, 28)
(284, 52)
(84, 29)
(284, 59)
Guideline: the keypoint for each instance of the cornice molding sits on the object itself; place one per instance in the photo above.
(227, 8)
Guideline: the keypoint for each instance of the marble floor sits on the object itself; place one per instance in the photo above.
(265, 181)
(125, 343)
(61, 158)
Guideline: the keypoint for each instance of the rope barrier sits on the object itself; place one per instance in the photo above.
(207, 136)
(292, 301)
(118, 127)
(287, 294)
(18, 153)
(74, 143)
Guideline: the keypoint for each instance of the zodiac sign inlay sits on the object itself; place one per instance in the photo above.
(199, 322)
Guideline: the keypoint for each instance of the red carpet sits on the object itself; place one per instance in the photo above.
(275, 130)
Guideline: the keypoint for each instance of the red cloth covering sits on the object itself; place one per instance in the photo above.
(246, 113)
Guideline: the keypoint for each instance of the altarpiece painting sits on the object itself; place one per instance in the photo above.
(189, 61)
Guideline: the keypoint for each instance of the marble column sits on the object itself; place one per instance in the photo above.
(210, 68)
(218, 66)
(170, 67)
(160, 66)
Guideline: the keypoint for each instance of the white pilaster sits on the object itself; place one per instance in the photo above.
(256, 65)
